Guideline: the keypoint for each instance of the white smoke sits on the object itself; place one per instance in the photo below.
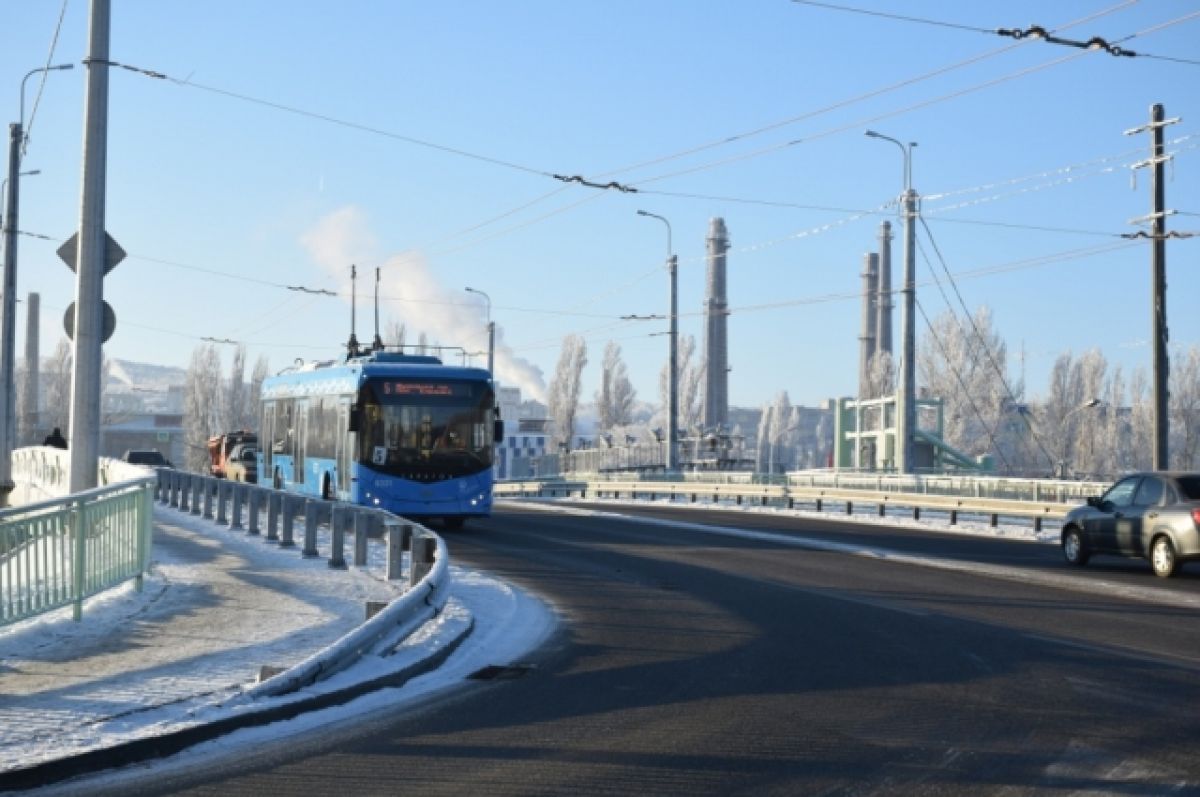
(410, 294)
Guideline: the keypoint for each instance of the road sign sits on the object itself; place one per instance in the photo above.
(108, 322)
(113, 253)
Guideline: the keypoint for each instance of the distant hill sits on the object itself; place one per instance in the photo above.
(128, 375)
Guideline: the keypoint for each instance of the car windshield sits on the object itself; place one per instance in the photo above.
(1190, 486)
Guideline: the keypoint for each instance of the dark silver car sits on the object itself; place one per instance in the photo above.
(1155, 516)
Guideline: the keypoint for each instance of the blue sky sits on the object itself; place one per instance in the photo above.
(426, 134)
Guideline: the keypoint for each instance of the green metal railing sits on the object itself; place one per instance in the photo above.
(62, 551)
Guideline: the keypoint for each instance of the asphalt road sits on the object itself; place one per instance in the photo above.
(694, 663)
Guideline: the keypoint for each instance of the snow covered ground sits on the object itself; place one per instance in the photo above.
(504, 622)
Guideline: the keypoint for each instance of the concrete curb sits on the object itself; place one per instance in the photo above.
(315, 698)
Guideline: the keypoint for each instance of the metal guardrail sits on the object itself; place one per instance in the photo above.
(61, 551)
(967, 500)
(239, 505)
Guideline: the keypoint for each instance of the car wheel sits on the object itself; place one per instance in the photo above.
(1162, 557)
(1074, 551)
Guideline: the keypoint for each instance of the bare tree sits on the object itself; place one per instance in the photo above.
(254, 395)
(564, 389)
(964, 365)
(233, 410)
(762, 458)
(881, 375)
(1185, 410)
(58, 386)
(690, 378)
(202, 405)
(394, 334)
(614, 399)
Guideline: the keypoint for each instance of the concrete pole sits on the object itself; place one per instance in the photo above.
(867, 336)
(33, 305)
(89, 283)
(906, 412)
(8, 332)
(883, 303)
(672, 463)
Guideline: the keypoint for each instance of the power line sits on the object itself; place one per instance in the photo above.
(363, 128)
(896, 16)
(962, 384)
(45, 74)
(1033, 32)
(978, 335)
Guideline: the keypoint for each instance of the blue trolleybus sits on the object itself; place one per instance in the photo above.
(402, 433)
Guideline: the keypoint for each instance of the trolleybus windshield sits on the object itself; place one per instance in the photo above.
(421, 428)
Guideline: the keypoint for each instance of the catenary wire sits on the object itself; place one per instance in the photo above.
(42, 83)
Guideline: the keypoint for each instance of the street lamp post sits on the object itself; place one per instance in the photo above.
(491, 332)
(1062, 462)
(8, 312)
(672, 375)
(906, 412)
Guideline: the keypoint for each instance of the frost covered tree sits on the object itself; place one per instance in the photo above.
(254, 397)
(614, 399)
(762, 454)
(202, 410)
(564, 388)
(394, 335)
(1184, 443)
(689, 379)
(233, 409)
(57, 381)
(964, 364)
(881, 375)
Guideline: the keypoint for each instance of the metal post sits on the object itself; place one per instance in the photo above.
(8, 331)
(337, 528)
(423, 548)
(252, 511)
(310, 530)
(274, 500)
(906, 402)
(362, 522)
(235, 519)
(288, 536)
(90, 261)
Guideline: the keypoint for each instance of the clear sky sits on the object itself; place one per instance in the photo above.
(292, 140)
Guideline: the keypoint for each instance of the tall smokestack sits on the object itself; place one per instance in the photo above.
(28, 423)
(866, 349)
(716, 345)
(883, 305)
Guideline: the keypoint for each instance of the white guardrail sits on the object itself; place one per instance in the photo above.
(1032, 499)
(58, 549)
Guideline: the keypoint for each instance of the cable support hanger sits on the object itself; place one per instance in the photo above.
(1094, 43)
(316, 291)
(614, 185)
(1163, 237)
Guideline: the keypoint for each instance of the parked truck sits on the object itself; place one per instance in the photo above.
(234, 455)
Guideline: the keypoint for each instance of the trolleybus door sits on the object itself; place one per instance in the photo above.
(345, 445)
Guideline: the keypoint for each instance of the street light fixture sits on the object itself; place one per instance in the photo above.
(8, 311)
(671, 463)
(491, 332)
(906, 411)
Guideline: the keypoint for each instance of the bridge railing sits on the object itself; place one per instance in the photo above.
(1029, 499)
(61, 550)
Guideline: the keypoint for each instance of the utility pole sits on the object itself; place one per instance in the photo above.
(93, 257)
(1158, 279)
(906, 420)
(8, 312)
